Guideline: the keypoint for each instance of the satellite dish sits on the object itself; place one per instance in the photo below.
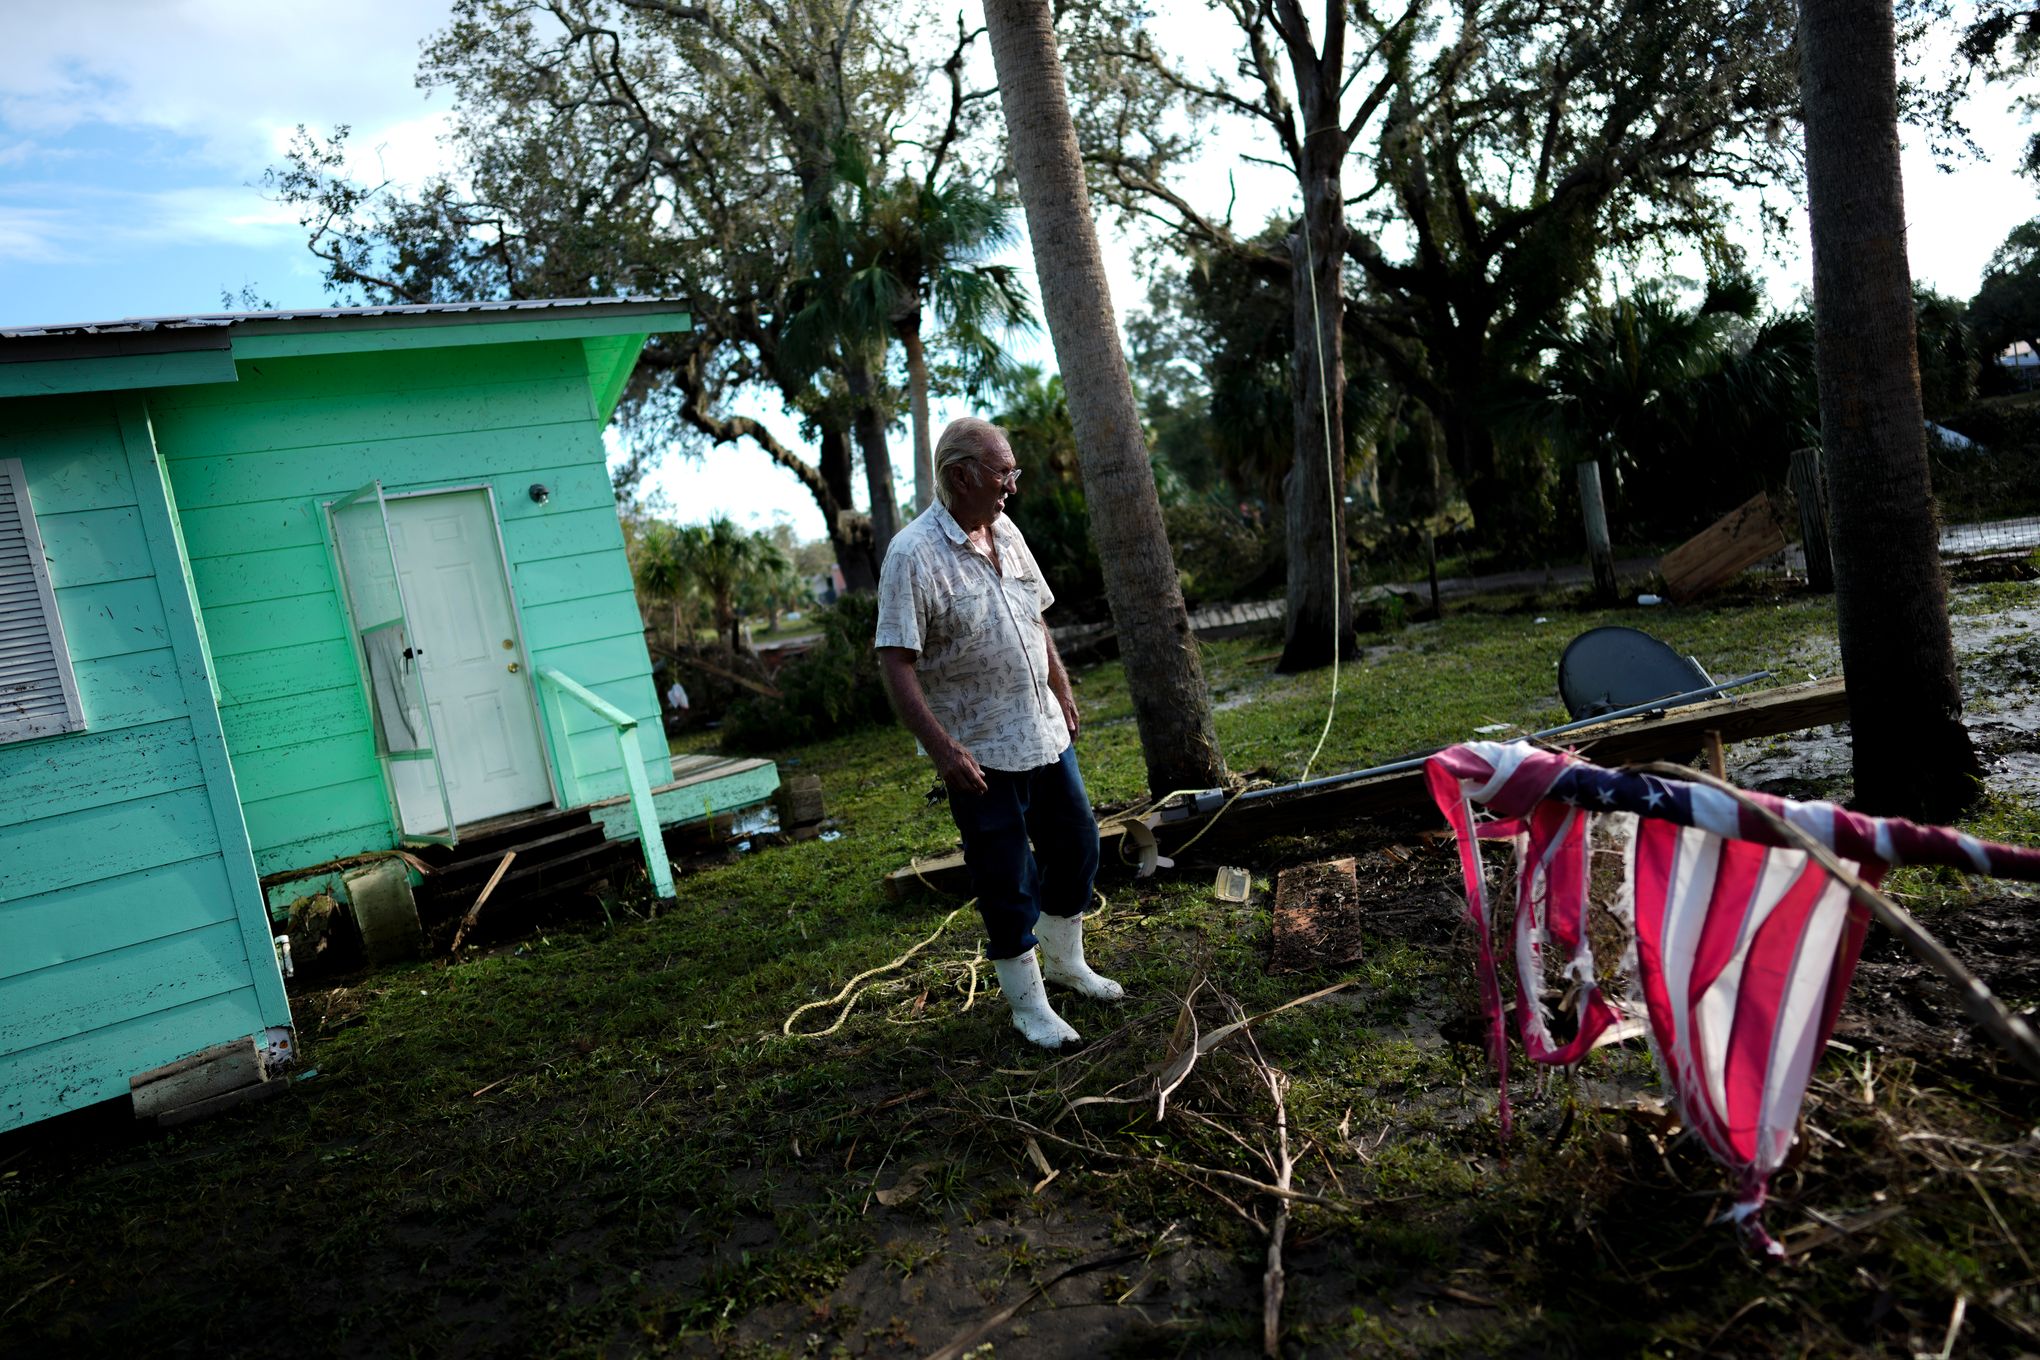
(1604, 669)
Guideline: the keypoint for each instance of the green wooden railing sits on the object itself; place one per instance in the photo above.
(558, 687)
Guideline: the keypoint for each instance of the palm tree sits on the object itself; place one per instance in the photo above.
(659, 562)
(935, 240)
(1172, 708)
(1912, 754)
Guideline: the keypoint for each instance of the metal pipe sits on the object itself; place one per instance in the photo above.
(1198, 801)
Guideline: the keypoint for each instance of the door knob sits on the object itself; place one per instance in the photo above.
(513, 668)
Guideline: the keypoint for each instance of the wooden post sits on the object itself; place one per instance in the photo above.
(1595, 512)
(1809, 488)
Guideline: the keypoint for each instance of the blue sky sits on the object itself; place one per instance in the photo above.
(134, 135)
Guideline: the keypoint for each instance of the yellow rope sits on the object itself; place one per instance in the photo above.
(849, 995)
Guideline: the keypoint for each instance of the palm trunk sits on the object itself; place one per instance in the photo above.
(1172, 707)
(1912, 754)
(867, 422)
(849, 532)
(917, 402)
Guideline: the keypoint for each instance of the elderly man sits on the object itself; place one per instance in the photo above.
(975, 677)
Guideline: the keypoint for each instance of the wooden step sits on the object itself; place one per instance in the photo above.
(473, 871)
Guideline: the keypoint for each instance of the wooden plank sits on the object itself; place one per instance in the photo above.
(72, 469)
(257, 677)
(579, 480)
(511, 331)
(346, 419)
(227, 529)
(308, 812)
(88, 1068)
(271, 574)
(130, 690)
(579, 577)
(153, 496)
(202, 1077)
(320, 848)
(89, 769)
(80, 847)
(330, 470)
(121, 984)
(113, 619)
(88, 547)
(564, 533)
(115, 372)
(555, 627)
(75, 923)
(279, 770)
(1745, 535)
(291, 379)
(1789, 708)
(1317, 917)
(288, 721)
(275, 625)
(693, 801)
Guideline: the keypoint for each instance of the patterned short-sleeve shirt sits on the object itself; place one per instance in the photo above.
(982, 646)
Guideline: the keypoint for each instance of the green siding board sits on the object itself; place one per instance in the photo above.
(348, 418)
(273, 574)
(580, 577)
(89, 547)
(566, 533)
(510, 332)
(628, 694)
(79, 847)
(116, 372)
(72, 469)
(270, 380)
(290, 816)
(274, 625)
(312, 716)
(337, 469)
(549, 627)
(595, 664)
(129, 690)
(81, 1071)
(86, 769)
(256, 677)
(581, 484)
(326, 845)
(224, 530)
(107, 988)
(44, 931)
(113, 619)
(306, 765)
(188, 639)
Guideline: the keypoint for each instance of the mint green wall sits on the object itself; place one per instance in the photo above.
(131, 926)
(250, 463)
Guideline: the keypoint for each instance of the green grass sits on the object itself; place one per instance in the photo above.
(601, 1142)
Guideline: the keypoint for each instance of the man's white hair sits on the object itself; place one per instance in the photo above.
(963, 439)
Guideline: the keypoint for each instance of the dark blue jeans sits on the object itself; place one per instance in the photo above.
(1016, 882)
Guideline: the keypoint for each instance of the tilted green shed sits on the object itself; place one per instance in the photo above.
(277, 590)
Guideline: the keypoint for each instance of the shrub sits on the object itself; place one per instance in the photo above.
(1220, 555)
(832, 689)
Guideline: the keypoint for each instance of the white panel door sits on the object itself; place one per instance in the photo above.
(484, 720)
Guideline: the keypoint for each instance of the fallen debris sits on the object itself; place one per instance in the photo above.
(1317, 917)
(1743, 537)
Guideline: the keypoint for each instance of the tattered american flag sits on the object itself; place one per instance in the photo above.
(1744, 945)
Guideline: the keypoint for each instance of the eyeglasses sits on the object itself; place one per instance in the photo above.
(1010, 478)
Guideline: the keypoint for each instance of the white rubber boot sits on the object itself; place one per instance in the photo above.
(1020, 980)
(1062, 958)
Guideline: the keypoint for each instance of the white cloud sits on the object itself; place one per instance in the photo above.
(224, 72)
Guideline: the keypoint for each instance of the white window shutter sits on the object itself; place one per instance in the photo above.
(38, 694)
